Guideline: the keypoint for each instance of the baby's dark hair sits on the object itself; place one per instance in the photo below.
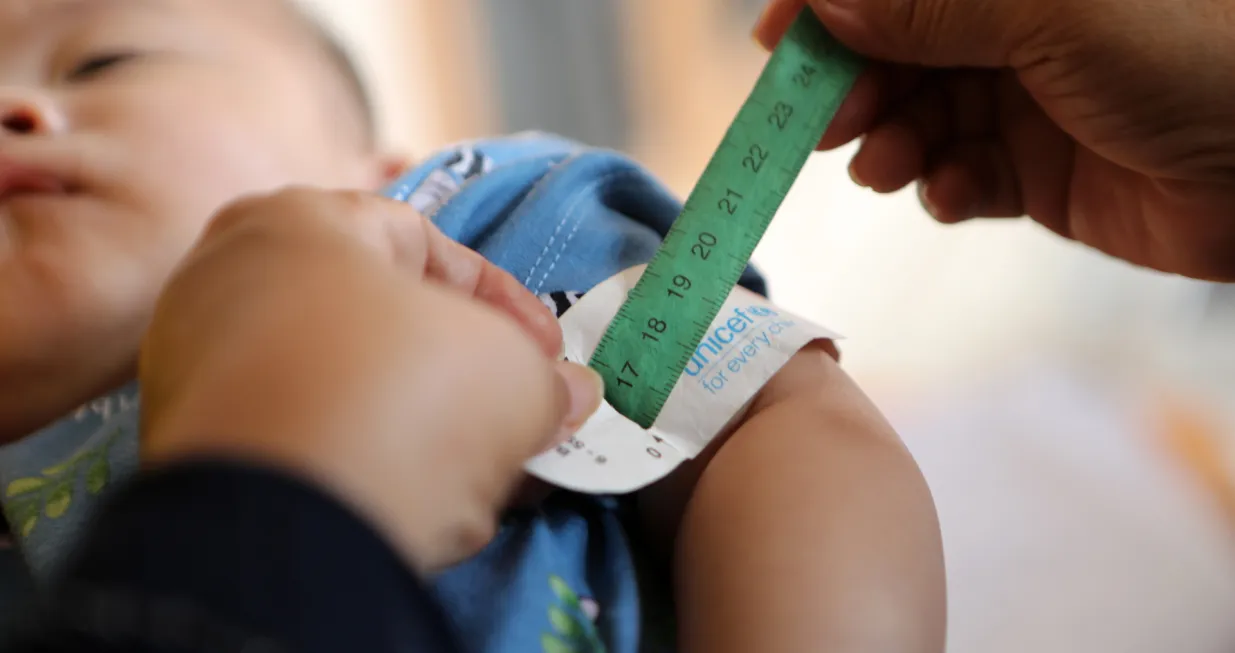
(344, 66)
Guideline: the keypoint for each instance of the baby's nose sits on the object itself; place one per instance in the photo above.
(25, 112)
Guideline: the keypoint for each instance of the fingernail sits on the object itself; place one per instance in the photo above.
(586, 389)
(926, 202)
(853, 175)
(761, 34)
(561, 347)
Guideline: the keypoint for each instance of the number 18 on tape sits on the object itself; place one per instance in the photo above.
(666, 315)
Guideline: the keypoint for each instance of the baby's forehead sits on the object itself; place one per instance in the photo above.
(314, 43)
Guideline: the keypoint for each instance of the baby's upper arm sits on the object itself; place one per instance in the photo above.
(811, 384)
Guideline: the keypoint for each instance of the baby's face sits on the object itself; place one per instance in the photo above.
(126, 124)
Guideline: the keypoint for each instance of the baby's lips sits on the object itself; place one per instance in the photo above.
(16, 179)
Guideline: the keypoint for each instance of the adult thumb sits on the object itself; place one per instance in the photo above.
(936, 33)
(580, 391)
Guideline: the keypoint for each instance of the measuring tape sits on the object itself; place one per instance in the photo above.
(665, 316)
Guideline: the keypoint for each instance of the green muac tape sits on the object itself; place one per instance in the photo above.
(665, 316)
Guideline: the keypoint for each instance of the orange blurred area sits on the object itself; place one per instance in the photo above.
(1075, 415)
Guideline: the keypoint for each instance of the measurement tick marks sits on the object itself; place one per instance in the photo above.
(649, 343)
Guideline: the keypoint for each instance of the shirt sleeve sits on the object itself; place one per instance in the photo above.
(220, 557)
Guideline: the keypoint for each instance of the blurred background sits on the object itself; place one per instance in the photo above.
(1074, 415)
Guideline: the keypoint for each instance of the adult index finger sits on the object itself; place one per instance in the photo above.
(421, 245)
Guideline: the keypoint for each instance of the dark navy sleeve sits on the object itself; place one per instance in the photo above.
(217, 557)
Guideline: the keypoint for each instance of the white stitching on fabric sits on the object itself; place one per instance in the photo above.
(531, 272)
(626, 175)
(565, 244)
(566, 215)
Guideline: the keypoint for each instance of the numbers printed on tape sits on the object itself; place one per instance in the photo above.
(648, 344)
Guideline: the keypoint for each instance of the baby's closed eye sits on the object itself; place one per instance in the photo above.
(94, 65)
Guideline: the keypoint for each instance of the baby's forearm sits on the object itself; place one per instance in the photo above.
(812, 529)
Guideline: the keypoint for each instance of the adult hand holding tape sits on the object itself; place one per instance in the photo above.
(1108, 122)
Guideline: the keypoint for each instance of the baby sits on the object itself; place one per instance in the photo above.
(128, 123)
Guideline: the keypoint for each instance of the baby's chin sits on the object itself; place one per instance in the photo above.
(59, 351)
(71, 324)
